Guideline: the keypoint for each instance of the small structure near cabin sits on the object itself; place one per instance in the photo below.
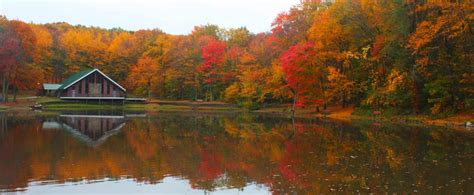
(50, 89)
(91, 84)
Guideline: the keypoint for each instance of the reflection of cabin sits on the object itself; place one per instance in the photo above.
(91, 129)
(89, 84)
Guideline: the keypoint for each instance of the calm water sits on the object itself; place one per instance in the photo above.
(187, 153)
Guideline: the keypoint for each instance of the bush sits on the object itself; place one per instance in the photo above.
(469, 104)
(248, 104)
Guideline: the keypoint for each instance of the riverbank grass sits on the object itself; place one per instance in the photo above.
(133, 107)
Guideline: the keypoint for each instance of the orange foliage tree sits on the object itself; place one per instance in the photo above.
(143, 75)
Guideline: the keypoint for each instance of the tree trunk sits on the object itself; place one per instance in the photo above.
(14, 93)
(163, 86)
(414, 87)
(5, 89)
(293, 108)
(415, 95)
(148, 91)
(197, 89)
(6, 92)
(211, 93)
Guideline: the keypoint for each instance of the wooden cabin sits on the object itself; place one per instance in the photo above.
(91, 84)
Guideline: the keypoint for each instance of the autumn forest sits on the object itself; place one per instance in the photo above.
(410, 56)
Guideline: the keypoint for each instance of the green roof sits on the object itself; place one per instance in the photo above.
(76, 77)
(73, 78)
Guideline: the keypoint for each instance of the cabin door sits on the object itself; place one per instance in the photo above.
(95, 89)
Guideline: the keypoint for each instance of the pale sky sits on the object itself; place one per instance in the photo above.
(172, 16)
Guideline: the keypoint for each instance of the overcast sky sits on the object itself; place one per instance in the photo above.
(172, 16)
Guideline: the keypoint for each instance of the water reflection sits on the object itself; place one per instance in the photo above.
(224, 152)
(91, 129)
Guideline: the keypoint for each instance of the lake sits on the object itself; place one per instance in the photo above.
(188, 153)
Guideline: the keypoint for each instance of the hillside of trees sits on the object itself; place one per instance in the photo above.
(411, 56)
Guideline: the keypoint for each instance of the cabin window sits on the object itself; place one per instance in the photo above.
(99, 80)
(102, 88)
(91, 78)
(87, 87)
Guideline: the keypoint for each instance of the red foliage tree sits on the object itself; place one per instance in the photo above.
(213, 56)
(17, 48)
(303, 75)
(9, 48)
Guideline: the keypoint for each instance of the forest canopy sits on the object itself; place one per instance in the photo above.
(406, 55)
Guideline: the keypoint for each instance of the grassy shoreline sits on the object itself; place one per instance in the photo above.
(134, 107)
(337, 113)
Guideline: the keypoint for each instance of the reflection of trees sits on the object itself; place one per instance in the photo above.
(230, 152)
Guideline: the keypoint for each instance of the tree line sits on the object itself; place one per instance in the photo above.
(410, 56)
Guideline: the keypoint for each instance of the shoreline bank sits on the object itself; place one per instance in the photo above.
(336, 113)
